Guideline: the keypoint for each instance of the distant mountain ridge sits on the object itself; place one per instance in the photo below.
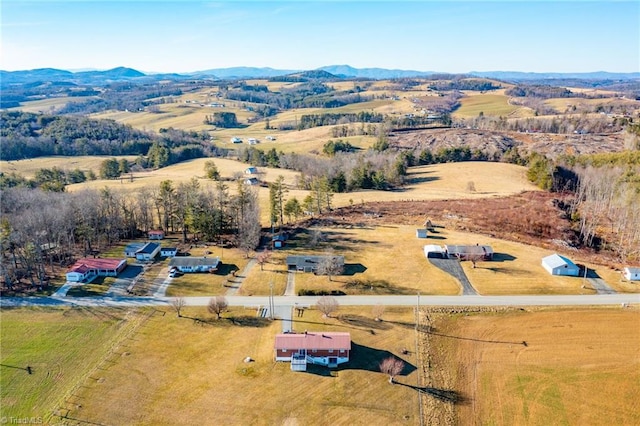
(344, 71)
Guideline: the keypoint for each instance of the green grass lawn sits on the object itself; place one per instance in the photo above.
(61, 346)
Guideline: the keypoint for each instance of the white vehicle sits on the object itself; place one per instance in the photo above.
(270, 138)
(252, 141)
(236, 140)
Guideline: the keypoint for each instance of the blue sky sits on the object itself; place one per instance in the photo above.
(452, 36)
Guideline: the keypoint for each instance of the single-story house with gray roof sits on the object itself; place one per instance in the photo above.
(188, 264)
(309, 263)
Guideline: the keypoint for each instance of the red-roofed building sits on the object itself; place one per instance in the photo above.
(156, 234)
(321, 348)
(87, 269)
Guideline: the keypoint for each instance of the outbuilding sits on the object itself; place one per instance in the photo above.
(556, 264)
(328, 349)
(434, 251)
(631, 274)
(421, 233)
(251, 171)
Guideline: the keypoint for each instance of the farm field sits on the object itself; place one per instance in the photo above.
(175, 370)
(576, 366)
(62, 346)
(490, 104)
(29, 167)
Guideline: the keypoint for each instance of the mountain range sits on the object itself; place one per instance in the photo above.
(339, 71)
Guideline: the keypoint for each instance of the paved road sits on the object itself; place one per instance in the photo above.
(239, 278)
(256, 301)
(291, 284)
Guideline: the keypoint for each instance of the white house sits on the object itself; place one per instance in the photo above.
(328, 349)
(251, 181)
(560, 265)
(631, 274)
(421, 233)
(148, 252)
(168, 251)
(251, 171)
(188, 264)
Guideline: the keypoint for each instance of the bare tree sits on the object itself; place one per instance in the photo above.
(263, 257)
(391, 366)
(377, 312)
(330, 265)
(327, 305)
(217, 305)
(178, 303)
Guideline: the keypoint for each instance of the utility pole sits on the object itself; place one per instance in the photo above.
(271, 299)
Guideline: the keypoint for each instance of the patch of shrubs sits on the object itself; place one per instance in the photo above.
(305, 292)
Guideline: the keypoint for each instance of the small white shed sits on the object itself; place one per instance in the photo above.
(421, 233)
(631, 274)
(560, 265)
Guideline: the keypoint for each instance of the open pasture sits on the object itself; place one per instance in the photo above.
(490, 104)
(50, 105)
(61, 347)
(29, 167)
(540, 367)
(177, 369)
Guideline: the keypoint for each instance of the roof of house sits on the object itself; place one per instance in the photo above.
(169, 249)
(148, 248)
(191, 261)
(156, 231)
(302, 261)
(84, 264)
(134, 247)
(432, 248)
(633, 270)
(555, 260)
(471, 249)
(314, 340)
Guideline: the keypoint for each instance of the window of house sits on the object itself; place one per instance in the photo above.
(314, 350)
(284, 350)
(330, 351)
(341, 351)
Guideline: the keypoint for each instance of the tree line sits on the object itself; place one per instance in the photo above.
(40, 230)
(28, 135)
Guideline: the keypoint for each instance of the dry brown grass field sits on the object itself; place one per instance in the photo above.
(538, 367)
(48, 106)
(178, 371)
(384, 260)
(490, 104)
(29, 167)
